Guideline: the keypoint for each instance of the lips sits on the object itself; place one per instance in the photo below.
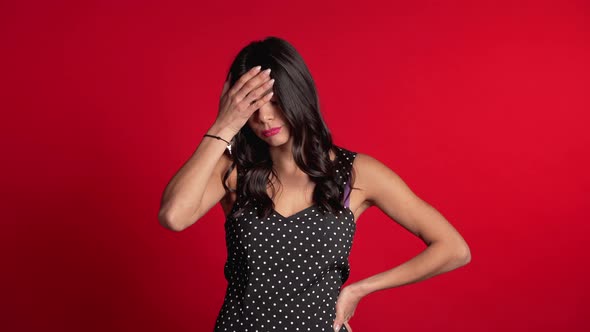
(271, 131)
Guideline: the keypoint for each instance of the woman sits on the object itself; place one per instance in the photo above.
(287, 192)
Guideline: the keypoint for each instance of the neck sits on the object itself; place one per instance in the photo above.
(282, 159)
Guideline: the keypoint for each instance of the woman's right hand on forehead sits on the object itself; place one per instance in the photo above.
(237, 103)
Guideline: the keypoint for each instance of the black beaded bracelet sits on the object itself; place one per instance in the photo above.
(228, 143)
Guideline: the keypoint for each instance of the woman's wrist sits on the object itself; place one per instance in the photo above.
(359, 289)
(223, 132)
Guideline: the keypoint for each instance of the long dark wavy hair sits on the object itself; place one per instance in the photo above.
(296, 93)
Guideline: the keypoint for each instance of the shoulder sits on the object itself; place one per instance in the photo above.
(367, 166)
(366, 162)
(374, 177)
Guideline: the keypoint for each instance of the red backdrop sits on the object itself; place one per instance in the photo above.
(481, 108)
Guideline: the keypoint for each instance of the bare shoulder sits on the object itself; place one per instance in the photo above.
(369, 173)
(382, 186)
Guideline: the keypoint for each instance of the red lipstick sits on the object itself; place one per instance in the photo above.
(271, 132)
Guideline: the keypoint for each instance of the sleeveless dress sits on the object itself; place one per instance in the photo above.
(284, 273)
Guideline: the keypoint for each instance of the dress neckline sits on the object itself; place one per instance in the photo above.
(337, 152)
(294, 214)
(346, 208)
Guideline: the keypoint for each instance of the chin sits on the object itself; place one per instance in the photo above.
(276, 141)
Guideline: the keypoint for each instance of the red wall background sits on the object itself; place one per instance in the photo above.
(481, 107)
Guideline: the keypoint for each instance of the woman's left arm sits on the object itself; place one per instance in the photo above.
(446, 249)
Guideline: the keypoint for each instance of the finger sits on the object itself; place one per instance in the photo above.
(337, 326)
(259, 103)
(252, 84)
(348, 328)
(260, 91)
(243, 79)
(338, 322)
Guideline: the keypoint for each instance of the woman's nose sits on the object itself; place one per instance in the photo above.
(265, 114)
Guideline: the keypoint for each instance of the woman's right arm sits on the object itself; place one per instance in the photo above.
(202, 173)
(198, 186)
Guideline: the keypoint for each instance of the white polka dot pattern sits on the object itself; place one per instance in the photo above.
(285, 273)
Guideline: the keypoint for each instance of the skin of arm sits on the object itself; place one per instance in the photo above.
(446, 249)
(197, 186)
(184, 200)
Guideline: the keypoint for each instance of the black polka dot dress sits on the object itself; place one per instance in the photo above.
(284, 273)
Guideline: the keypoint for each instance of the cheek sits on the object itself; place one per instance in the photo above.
(250, 123)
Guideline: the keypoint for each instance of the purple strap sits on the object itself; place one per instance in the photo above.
(346, 191)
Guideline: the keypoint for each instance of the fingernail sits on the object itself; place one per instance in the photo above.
(257, 68)
(336, 328)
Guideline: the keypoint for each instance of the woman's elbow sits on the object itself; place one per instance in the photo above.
(168, 222)
(463, 254)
